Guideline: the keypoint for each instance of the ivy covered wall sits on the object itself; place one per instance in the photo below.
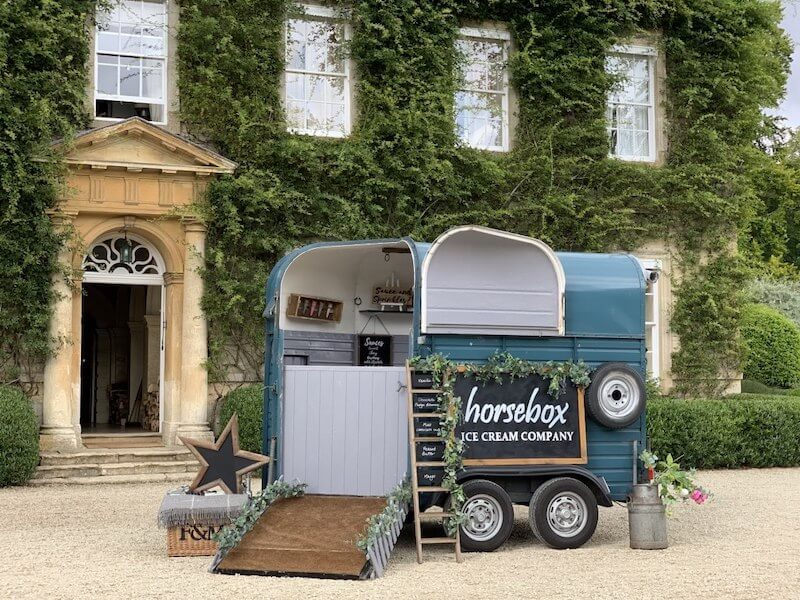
(44, 51)
(401, 171)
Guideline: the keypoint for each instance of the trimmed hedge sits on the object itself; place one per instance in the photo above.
(750, 386)
(19, 437)
(772, 346)
(248, 403)
(748, 430)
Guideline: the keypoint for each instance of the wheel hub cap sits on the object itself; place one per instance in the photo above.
(484, 517)
(566, 514)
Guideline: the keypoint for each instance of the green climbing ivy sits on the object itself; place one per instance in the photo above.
(44, 51)
(402, 171)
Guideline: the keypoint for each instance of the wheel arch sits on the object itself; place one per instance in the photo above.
(597, 484)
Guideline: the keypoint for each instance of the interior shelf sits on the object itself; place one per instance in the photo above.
(375, 311)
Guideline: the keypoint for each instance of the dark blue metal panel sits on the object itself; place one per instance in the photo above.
(611, 452)
(604, 294)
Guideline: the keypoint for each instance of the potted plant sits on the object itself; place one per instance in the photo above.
(651, 503)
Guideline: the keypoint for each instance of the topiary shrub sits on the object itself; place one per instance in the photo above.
(248, 403)
(741, 431)
(19, 437)
(772, 354)
(782, 295)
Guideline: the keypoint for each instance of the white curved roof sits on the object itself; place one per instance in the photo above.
(482, 281)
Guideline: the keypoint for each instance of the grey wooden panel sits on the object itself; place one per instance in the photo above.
(483, 284)
(321, 347)
(344, 429)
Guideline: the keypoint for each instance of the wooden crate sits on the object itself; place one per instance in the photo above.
(192, 540)
(316, 309)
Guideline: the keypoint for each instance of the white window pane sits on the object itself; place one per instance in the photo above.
(295, 86)
(130, 44)
(295, 114)
(154, 13)
(335, 117)
(336, 89)
(295, 44)
(316, 116)
(152, 46)
(625, 143)
(641, 117)
(316, 88)
(495, 67)
(641, 144)
(107, 79)
(129, 11)
(107, 42)
(129, 76)
(152, 79)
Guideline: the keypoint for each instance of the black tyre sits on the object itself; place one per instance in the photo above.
(563, 513)
(616, 396)
(490, 516)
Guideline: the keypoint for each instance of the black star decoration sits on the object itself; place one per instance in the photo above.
(223, 463)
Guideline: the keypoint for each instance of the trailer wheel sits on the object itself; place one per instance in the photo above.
(563, 513)
(490, 516)
(616, 396)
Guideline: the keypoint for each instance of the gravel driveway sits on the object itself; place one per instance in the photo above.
(102, 542)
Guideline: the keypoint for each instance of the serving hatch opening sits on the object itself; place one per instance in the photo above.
(482, 281)
(348, 304)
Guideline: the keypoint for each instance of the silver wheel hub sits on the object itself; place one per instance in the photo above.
(567, 514)
(619, 395)
(484, 517)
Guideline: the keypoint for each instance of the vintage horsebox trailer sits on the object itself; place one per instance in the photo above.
(343, 317)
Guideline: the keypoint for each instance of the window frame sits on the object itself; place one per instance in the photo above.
(650, 53)
(495, 34)
(652, 321)
(138, 99)
(316, 12)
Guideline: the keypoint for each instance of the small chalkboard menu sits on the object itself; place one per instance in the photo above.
(374, 350)
(517, 422)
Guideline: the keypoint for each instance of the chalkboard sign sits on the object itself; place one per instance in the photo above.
(427, 402)
(374, 351)
(517, 422)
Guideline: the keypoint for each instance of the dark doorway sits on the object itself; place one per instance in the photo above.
(114, 358)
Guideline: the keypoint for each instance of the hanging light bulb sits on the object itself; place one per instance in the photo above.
(126, 249)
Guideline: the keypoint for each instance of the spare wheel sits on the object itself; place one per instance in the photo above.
(616, 396)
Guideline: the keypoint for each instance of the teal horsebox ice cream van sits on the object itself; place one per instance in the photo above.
(342, 318)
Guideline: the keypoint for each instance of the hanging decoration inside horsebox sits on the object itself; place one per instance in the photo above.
(515, 421)
(222, 462)
(374, 350)
(392, 296)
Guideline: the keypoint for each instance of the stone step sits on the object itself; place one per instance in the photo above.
(160, 454)
(94, 441)
(114, 479)
(114, 469)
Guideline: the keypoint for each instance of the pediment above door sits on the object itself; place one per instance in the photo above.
(137, 144)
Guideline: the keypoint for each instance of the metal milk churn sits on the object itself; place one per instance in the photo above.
(647, 518)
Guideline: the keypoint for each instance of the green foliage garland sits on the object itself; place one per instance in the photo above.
(402, 171)
(498, 365)
(230, 535)
(380, 524)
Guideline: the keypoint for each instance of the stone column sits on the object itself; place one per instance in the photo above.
(58, 431)
(194, 342)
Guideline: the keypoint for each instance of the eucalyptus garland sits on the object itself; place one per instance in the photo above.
(498, 365)
(230, 535)
(380, 524)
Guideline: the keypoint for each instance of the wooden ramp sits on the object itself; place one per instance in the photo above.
(311, 536)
